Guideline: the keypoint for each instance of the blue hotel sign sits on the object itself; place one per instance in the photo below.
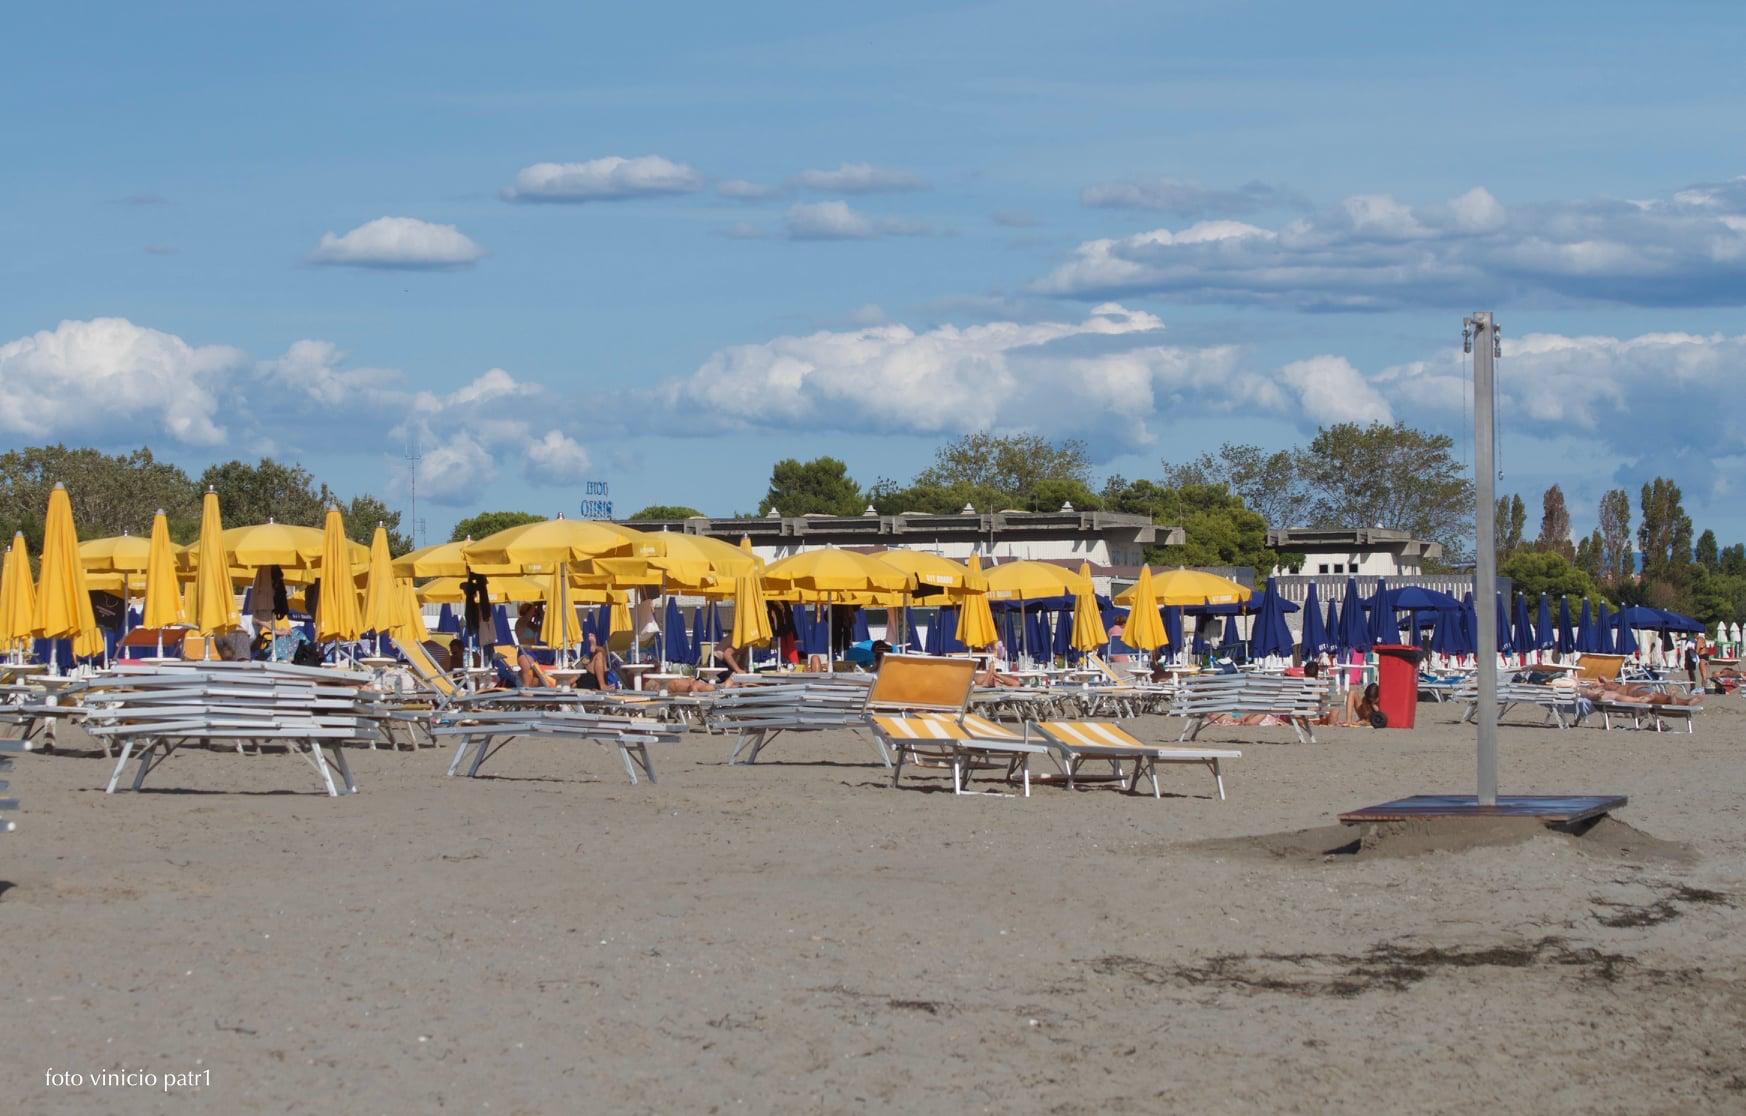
(596, 500)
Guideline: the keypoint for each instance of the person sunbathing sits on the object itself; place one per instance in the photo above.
(1634, 694)
(1359, 711)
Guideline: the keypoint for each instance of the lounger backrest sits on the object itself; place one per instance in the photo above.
(420, 661)
(922, 683)
(1095, 662)
(1599, 668)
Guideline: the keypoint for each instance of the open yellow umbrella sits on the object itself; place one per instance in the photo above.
(1145, 628)
(829, 569)
(212, 603)
(336, 610)
(17, 595)
(1088, 629)
(437, 560)
(408, 626)
(560, 627)
(1188, 587)
(381, 592)
(534, 548)
(163, 597)
(975, 618)
(751, 619)
(501, 590)
(63, 602)
(927, 570)
(1029, 581)
(122, 553)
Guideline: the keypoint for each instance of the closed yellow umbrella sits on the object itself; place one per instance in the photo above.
(1189, 587)
(1088, 629)
(63, 601)
(163, 597)
(751, 619)
(1145, 628)
(437, 560)
(212, 604)
(17, 595)
(560, 627)
(408, 624)
(336, 610)
(381, 592)
(975, 618)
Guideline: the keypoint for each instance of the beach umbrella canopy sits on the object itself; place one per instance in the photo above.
(1501, 619)
(693, 563)
(1566, 638)
(1418, 599)
(1231, 637)
(1679, 622)
(1144, 630)
(1626, 642)
(831, 570)
(408, 623)
(439, 560)
(163, 596)
(17, 595)
(247, 548)
(1734, 634)
(1445, 632)
(1087, 632)
(122, 553)
(1314, 637)
(1190, 587)
(1029, 581)
(63, 601)
(534, 548)
(498, 590)
(975, 621)
(751, 619)
(1331, 628)
(1545, 636)
(1173, 626)
(677, 647)
(929, 571)
(381, 593)
(1354, 632)
(336, 611)
(559, 627)
(1585, 630)
(1523, 637)
(1603, 630)
(1269, 634)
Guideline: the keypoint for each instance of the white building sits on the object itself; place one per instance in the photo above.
(1366, 552)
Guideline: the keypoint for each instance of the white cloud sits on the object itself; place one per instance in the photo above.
(1373, 252)
(860, 178)
(1331, 390)
(455, 470)
(404, 243)
(555, 459)
(612, 178)
(1187, 199)
(834, 220)
(108, 378)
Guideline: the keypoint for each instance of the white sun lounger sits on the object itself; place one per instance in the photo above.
(1297, 701)
(1074, 742)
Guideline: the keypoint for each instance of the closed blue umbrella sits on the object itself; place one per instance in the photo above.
(1331, 628)
(861, 632)
(1505, 644)
(1585, 642)
(1545, 636)
(1566, 638)
(1524, 633)
(1198, 646)
(1230, 638)
(446, 620)
(1469, 626)
(1446, 634)
(1626, 644)
(1354, 632)
(1173, 628)
(675, 647)
(1603, 630)
(699, 633)
(1064, 634)
(1314, 637)
(1270, 635)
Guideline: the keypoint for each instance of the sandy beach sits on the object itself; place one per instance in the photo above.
(797, 936)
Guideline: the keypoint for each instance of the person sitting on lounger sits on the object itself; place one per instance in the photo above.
(594, 665)
(528, 620)
(727, 657)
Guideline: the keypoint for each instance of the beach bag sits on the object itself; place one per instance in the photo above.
(1379, 719)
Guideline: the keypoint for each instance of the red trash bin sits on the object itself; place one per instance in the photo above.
(1397, 682)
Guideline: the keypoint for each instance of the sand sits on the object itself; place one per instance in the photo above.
(797, 936)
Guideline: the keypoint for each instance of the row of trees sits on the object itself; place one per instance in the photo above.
(114, 494)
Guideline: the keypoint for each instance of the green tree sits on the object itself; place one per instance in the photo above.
(491, 522)
(1512, 520)
(1665, 538)
(820, 486)
(264, 491)
(111, 494)
(1617, 561)
(1392, 476)
(1555, 524)
(1588, 555)
(1545, 571)
(1733, 560)
(1268, 482)
(362, 513)
(664, 511)
(1012, 465)
(1707, 554)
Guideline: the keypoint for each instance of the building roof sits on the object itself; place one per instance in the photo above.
(896, 530)
(1360, 538)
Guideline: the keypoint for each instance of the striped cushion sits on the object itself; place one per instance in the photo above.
(918, 728)
(1091, 734)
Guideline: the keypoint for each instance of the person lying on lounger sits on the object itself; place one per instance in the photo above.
(1631, 693)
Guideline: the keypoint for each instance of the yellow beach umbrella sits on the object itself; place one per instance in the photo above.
(829, 569)
(560, 627)
(751, 620)
(408, 626)
(17, 595)
(1189, 587)
(336, 610)
(534, 548)
(1145, 628)
(975, 618)
(163, 597)
(281, 544)
(63, 601)
(927, 570)
(1029, 581)
(501, 590)
(438, 560)
(1088, 629)
(118, 554)
(381, 592)
(211, 603)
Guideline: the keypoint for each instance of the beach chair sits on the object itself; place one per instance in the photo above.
(1563, 706)
(761, 707)
(1655, 714)
(1299, 702)
(1075, 742)
(485, 732)
(916, 710)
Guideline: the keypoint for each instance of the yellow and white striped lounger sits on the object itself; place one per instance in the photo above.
(937, 740)
(1077, 741)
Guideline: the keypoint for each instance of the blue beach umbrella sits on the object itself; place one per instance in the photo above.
(1269, 634)
(1331, 628)
(1566, 638)
(1545, 636)
(1230, 638)
(446, 620)
(1198, 644)
(1315, 637)
(1173, 628)
(1505, 643)
(675, 647)
(1603, 630)
(1524, 634)
(1626, 643)
(1446, 632)
(1064, 634)
(861, 632)
(699, 634)
(1354, 632)
(1585, 630)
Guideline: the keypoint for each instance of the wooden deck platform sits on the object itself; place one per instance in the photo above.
(1553, 809)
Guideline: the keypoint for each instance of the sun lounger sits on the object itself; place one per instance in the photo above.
(916, 710)
(1655, 714)
(1563, 705)
(1078, 741)
(486, 731)
(1297, 701)
(758, 712)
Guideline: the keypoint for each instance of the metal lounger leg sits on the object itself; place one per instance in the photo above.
(1219, 778)
(624, 757)
(345, 767)
(151, 757)
(320, 762)
(115, 777)
(460, 750)
(479, 756)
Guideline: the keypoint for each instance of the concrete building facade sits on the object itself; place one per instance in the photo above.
(1365, 552)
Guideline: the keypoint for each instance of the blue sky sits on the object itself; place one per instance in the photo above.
(664, 247)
